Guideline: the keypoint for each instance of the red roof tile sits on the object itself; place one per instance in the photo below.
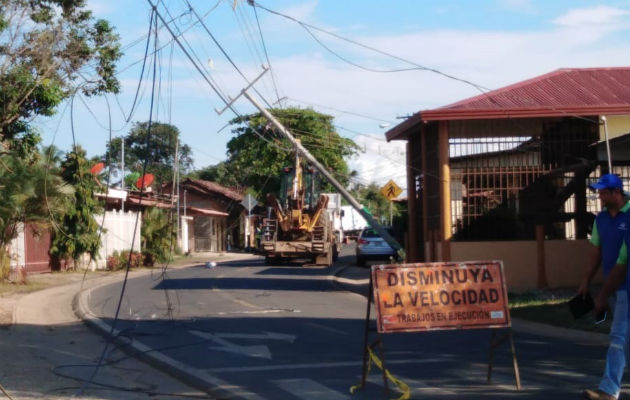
(564, 92)
(208, 186)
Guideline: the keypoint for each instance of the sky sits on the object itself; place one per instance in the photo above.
(489, 43)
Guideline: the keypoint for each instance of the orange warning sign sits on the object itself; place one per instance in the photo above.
(434, 296)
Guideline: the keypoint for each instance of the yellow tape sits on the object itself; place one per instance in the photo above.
(404, 388)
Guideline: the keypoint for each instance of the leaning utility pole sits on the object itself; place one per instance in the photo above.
(122, 173)
(309, 157)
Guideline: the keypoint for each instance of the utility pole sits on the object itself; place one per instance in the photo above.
(381, 231)
(309, 157)
(605, 123)
(176, 183)
(122, 171)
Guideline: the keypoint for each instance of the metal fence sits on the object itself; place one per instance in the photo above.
(503, 186)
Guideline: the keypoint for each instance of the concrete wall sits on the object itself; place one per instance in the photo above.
(565, 260)
(617, 125)
(119, 229)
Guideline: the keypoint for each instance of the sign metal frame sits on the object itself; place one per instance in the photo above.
(496, 340)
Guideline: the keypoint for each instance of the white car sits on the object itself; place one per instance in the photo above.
(370, 246)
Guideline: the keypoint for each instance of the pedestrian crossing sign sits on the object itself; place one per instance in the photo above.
(391, 190)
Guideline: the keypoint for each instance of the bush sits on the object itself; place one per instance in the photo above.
(159, 237)
(119, 260)
(5, 264)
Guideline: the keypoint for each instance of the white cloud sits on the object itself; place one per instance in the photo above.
(379, 160)
(100, 8)
(599, 16)
(579, 38)
(491, 59)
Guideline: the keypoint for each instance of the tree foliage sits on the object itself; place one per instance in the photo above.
(48, 48)
(77, 230)
(158, 236)
(257, 154)
(31, 191)
(372, 198)
(159, 151)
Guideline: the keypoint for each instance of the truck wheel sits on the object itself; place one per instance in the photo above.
(325, 259)
(335, 254)
(271, 260)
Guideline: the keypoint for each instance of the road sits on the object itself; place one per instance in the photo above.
(252, 331)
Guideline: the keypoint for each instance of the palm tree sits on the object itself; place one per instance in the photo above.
(31, 191)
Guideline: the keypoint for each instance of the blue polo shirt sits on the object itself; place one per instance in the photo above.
(608, 234)
(623, 259)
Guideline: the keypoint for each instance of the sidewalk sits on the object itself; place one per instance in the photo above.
(53, 352)
(48, 352)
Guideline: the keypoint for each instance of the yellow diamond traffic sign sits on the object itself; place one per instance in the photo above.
(391, 190)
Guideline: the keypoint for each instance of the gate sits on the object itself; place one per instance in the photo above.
(36, 248)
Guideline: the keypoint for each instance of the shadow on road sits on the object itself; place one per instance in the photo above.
(246, 283)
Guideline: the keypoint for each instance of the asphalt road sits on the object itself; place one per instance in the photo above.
(289, 332)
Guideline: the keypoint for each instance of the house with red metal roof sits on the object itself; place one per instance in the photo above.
(504, 175)
(210, 216)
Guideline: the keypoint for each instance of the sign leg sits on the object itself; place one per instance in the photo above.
(517, 375)
(491, 354)
(382, 353)
(366, 335)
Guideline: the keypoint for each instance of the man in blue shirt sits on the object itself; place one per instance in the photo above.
(609, 230)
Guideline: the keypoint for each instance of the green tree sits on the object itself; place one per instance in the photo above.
(78, 231)
(47, 49)
(159, 151)
(158, 236)
(372, 198)
(257, 154)
(31, 191)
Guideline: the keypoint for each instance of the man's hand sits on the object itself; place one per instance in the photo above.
(583, 288)
(601, 303)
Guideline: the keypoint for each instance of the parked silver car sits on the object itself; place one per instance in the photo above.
(370, 246)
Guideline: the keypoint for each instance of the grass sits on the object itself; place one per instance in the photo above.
(35, 282)
(46, 280)
(550, 307)
(8, 289)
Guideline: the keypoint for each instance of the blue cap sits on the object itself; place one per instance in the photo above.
(608, 181)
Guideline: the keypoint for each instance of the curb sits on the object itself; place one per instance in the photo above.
(193, 377)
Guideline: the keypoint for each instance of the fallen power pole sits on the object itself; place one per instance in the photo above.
(309, 157)
(301, 150)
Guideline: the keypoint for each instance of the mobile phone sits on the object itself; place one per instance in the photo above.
(601, 317)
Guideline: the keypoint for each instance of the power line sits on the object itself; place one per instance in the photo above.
(146, 162)
(339, 110)
(203, 24)
(262, 39)
(206, 78)
(482, 89)
(416, 66)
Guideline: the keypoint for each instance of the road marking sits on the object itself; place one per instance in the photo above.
(421, 387)
(260, 336)
(275, 310)
(258, 351)
(341, 364)
(161, 359)
(329, 329)
(309, 389)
